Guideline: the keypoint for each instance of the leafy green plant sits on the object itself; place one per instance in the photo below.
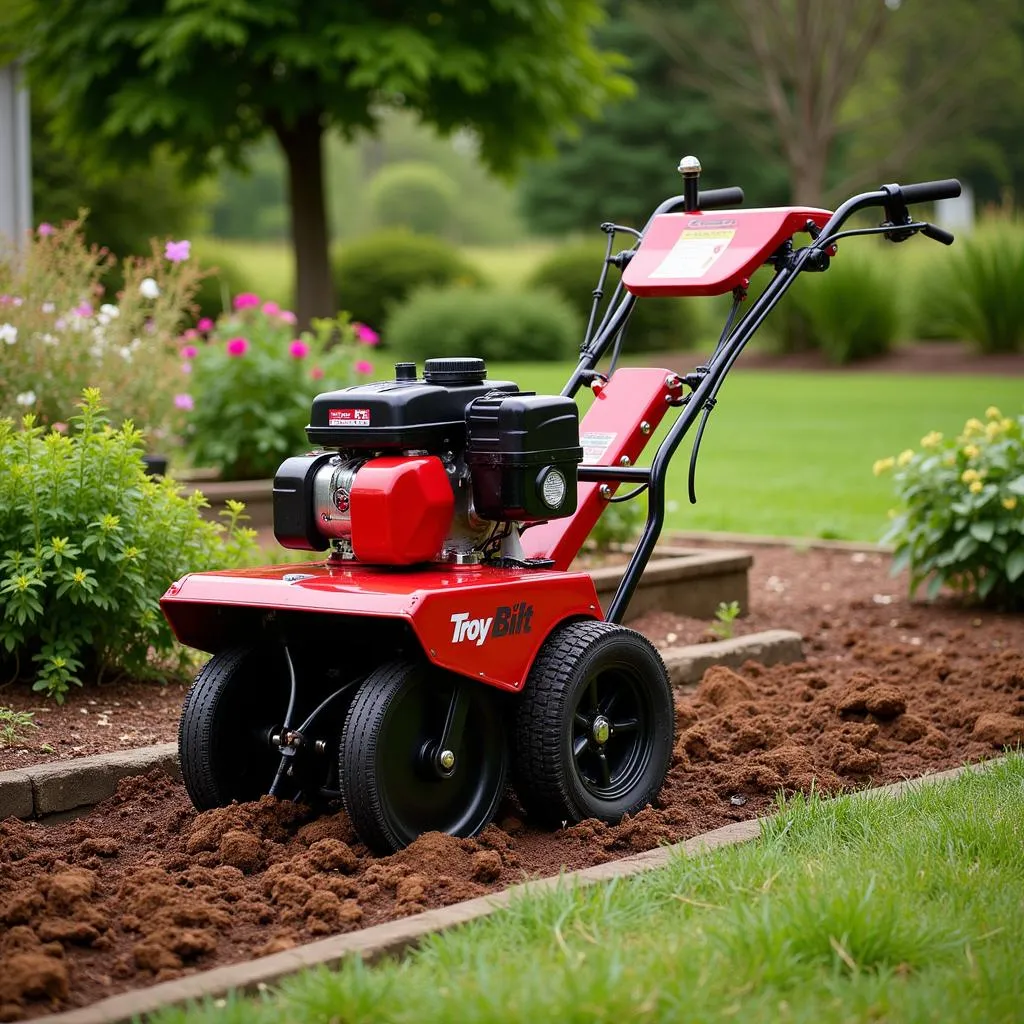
(961, 516)
(725, 616)
(976, 294)
(58, 335)
(251, 381)
(655, 325)
(484, 322)
(850, 312)
(374, 274)
(413, 195)
(619, 524)
(88, 544)
(13, 724)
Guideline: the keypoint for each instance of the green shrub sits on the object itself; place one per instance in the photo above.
(492, 324)
(620, 523)
(252, 382)
(850, 312)
(413, 195)
(961, 515)
(976, 295)
(89, 544)
(656, 325)
(374, 274)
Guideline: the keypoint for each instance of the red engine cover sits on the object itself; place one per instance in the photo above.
(401, 510)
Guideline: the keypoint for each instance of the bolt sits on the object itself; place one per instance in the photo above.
(672, 381)
(605, 491)
(601, 730)
(645, 427)
(447, 759)
(320, 746)
(276, 739)
(624, 461)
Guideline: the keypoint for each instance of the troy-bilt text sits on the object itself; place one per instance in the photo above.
(506, 621)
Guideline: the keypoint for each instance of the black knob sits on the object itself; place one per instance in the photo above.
(455, 371)
(405, 371)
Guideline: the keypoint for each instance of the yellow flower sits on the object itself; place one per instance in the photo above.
(882, 465)
(973, 426)
(1009, 503)
(931, 440)
(993, 430)
(949, 459)
(904, 457)
(970, 450)
(975, 487)
(992, 413)
(969, 476)
(1007, 423)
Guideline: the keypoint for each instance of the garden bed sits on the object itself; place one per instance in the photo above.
(143, 889)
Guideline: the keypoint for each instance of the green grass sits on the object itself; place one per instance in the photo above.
(790, 454)
(854, 910)
(266, 267)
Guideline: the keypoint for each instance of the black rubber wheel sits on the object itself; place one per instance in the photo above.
(595, 725)
(237, 699)
(390, 788)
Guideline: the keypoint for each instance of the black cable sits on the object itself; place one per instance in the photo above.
(708, 406)
(636, 492)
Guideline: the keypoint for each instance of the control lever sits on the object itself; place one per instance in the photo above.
(937, 234)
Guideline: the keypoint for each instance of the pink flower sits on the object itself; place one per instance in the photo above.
(364, 367)
(45, 229)
(286, 316)
(246, 300)
(298, 349)
(271, 308)
(177, 252)
(189, 352)
(367, 335)
(238, 347)
(191, 334)
(205, 325)
(316, 373)
(82, 309)
(184, 401)
(60, 428)
(186, 367)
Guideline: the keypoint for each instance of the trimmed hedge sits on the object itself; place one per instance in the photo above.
(376, 273)
(413, 195)
(494, 325)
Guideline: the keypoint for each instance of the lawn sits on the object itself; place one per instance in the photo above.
(854, 909)
(790, 454)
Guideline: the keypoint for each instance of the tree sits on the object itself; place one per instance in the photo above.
(210, 77)
(889, 78)
(621, 166)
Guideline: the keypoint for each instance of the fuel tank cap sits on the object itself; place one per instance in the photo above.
(454, 371)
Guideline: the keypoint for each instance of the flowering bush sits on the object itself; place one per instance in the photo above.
(58, 335)
(88, 544)
(247, 381)
(961, 520)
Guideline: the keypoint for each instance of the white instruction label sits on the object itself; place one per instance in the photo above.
(594, 447)
(695, 253)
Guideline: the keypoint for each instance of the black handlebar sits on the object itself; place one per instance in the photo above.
(719, 198)
(930, 191)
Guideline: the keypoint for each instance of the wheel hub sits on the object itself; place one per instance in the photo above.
(600, 730)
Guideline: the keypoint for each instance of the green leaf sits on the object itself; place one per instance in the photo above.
(983, 530)
(1016, 486)
(1015, 565)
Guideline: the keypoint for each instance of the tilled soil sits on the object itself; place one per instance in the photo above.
(144, 889)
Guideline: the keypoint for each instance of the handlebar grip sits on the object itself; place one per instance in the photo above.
(930, 191)
(721, 198)
(937, 234)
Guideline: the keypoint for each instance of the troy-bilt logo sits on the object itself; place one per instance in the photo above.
(507, 620)
(348, 417)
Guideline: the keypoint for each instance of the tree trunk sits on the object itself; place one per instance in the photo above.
(302, 142)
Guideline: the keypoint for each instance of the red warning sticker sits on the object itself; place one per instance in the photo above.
(348, 417)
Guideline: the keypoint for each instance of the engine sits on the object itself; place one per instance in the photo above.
(449, 467)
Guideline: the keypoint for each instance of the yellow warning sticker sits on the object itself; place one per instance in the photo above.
(694, 253)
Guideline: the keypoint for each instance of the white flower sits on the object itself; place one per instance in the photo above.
(48, 307)
(8, 333)
(126, 353)
(96, 351)
(149, 289)
(102, 318)
(26, 398)
(110, 310)
(49, 339)
(135, 343)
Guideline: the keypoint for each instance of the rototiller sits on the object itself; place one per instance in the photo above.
(443, 644)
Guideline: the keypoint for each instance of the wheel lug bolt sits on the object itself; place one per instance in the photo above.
(446, 759)
(601, 730)
(320, 746)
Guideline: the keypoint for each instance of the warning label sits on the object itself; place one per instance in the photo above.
(348, 417)
(594, 447)
(695, 253)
